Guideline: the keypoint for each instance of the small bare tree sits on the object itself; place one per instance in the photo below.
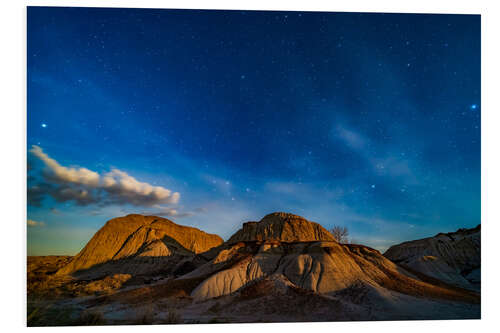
(340, 233)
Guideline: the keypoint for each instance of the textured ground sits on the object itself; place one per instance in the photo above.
(136, 244)
(280, 269)
(269, 300)
(453, 257)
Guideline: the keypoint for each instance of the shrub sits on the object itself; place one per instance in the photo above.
(340, 234)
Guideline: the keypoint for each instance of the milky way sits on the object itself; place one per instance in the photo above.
(370, 121)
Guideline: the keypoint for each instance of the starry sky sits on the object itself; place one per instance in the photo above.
(214, 118)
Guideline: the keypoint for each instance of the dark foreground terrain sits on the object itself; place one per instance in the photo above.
(280, 269)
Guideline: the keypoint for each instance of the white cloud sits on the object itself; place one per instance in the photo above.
(85, 186)
(124, 188)
(61, 174)
(33, 223)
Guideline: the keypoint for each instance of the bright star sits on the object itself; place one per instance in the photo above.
(44, 125)
(373, 186)
(473, 106)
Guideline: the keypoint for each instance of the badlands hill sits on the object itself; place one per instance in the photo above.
(453, 257)
(281, 227)
(293, 252)
(136, 244)
(282, 268)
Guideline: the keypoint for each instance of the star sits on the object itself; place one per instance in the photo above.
(473, 106)
(373, 185)
(44, 125)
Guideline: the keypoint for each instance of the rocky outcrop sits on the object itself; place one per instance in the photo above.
(288, 269)
(453, 257)
(283, 227)
(136, 244)
(282, 250)
(289, 248)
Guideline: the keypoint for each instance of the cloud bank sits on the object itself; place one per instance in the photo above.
(84, 186)
(60, 174)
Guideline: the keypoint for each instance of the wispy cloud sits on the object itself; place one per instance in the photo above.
(168, 212)
(304, 191)
(33, 223)
(382, 159)
(351, 138)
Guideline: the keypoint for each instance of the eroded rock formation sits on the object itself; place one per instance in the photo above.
(136, 244)
(283, 227)
(454, 257)
(286, 247)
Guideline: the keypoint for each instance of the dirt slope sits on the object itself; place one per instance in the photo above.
(287, 269)
(138, 244)
(454, 257)
(314, 262)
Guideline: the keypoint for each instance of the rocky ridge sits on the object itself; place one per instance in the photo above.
(286, 247)
(453, 257)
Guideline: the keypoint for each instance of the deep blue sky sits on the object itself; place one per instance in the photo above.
(371, 121)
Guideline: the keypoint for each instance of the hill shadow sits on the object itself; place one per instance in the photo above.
(137, 264)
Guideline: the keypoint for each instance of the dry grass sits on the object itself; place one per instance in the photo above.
(172, 317)
(42, 282)
(145, 316)
(41, 278)
(91, 318)
(45, 313)
(107, 284)
(179, 288)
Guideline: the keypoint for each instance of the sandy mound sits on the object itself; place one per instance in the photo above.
(137, 244)
(318, 264)
(454, 257)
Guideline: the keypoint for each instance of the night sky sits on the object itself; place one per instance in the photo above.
(213, 118)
